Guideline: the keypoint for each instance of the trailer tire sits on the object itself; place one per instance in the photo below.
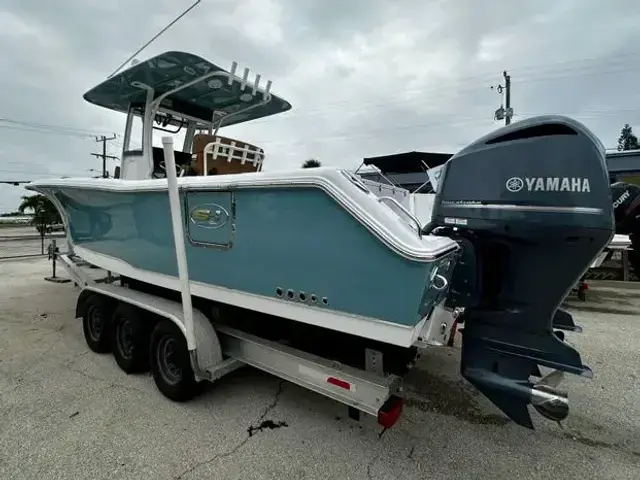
(130, 338)
(96, 323)
(170, 362)
(634, 254)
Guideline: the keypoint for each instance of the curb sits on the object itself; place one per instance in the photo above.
(617, 284)
(28, 237)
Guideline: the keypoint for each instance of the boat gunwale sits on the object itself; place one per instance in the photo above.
(258, 180)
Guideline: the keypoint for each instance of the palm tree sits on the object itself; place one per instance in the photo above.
(45, 214)
(311, 163)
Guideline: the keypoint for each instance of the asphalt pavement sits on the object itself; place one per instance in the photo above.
(68, 413)
(25, 241)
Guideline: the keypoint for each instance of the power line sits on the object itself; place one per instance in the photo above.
(14, 124)
(426, 94)
(49, 126)
(418, 127)
(156, 36)
(55, 129)
(49, 132)
(543, 69)
(542, 72)
(21, 172)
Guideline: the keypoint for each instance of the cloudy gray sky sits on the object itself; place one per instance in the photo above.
(365, 77)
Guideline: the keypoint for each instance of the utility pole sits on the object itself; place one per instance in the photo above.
(104, 155)
(507, 96)
(503, 113)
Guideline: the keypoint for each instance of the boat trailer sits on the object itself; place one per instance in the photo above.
(152, 324)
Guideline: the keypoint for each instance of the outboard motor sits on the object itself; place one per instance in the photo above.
(626, 209)
(531, 206)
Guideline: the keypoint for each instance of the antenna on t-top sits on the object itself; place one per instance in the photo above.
(156, 36)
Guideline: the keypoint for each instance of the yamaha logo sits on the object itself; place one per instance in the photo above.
(515, 184)
(549, 184)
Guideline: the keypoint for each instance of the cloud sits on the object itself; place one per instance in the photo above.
(365, 77)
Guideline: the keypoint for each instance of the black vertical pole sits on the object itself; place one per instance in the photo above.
(104, 157)
(507, 86)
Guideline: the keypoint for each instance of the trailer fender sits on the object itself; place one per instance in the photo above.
(81, 304)
(208, 349)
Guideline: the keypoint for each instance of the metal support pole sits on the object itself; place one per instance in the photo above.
(53, 255)
(178, 237)
(54, 249)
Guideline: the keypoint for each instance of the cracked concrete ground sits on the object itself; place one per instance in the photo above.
(67, 413)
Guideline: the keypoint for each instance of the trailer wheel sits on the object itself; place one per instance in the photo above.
(170, 363)
(96, 323)
(130, 339)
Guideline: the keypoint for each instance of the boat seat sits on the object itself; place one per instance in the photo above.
(183, 159)
(231, 156)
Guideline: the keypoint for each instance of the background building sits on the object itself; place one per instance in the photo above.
(408, 170)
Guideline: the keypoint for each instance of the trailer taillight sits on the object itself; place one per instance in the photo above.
(390, 412)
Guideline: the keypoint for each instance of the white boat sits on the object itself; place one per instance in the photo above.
(322, 258)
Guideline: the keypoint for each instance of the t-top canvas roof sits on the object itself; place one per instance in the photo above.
(170, 70)
(408, 162)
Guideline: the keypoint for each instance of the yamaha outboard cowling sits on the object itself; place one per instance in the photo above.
(531, 206)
